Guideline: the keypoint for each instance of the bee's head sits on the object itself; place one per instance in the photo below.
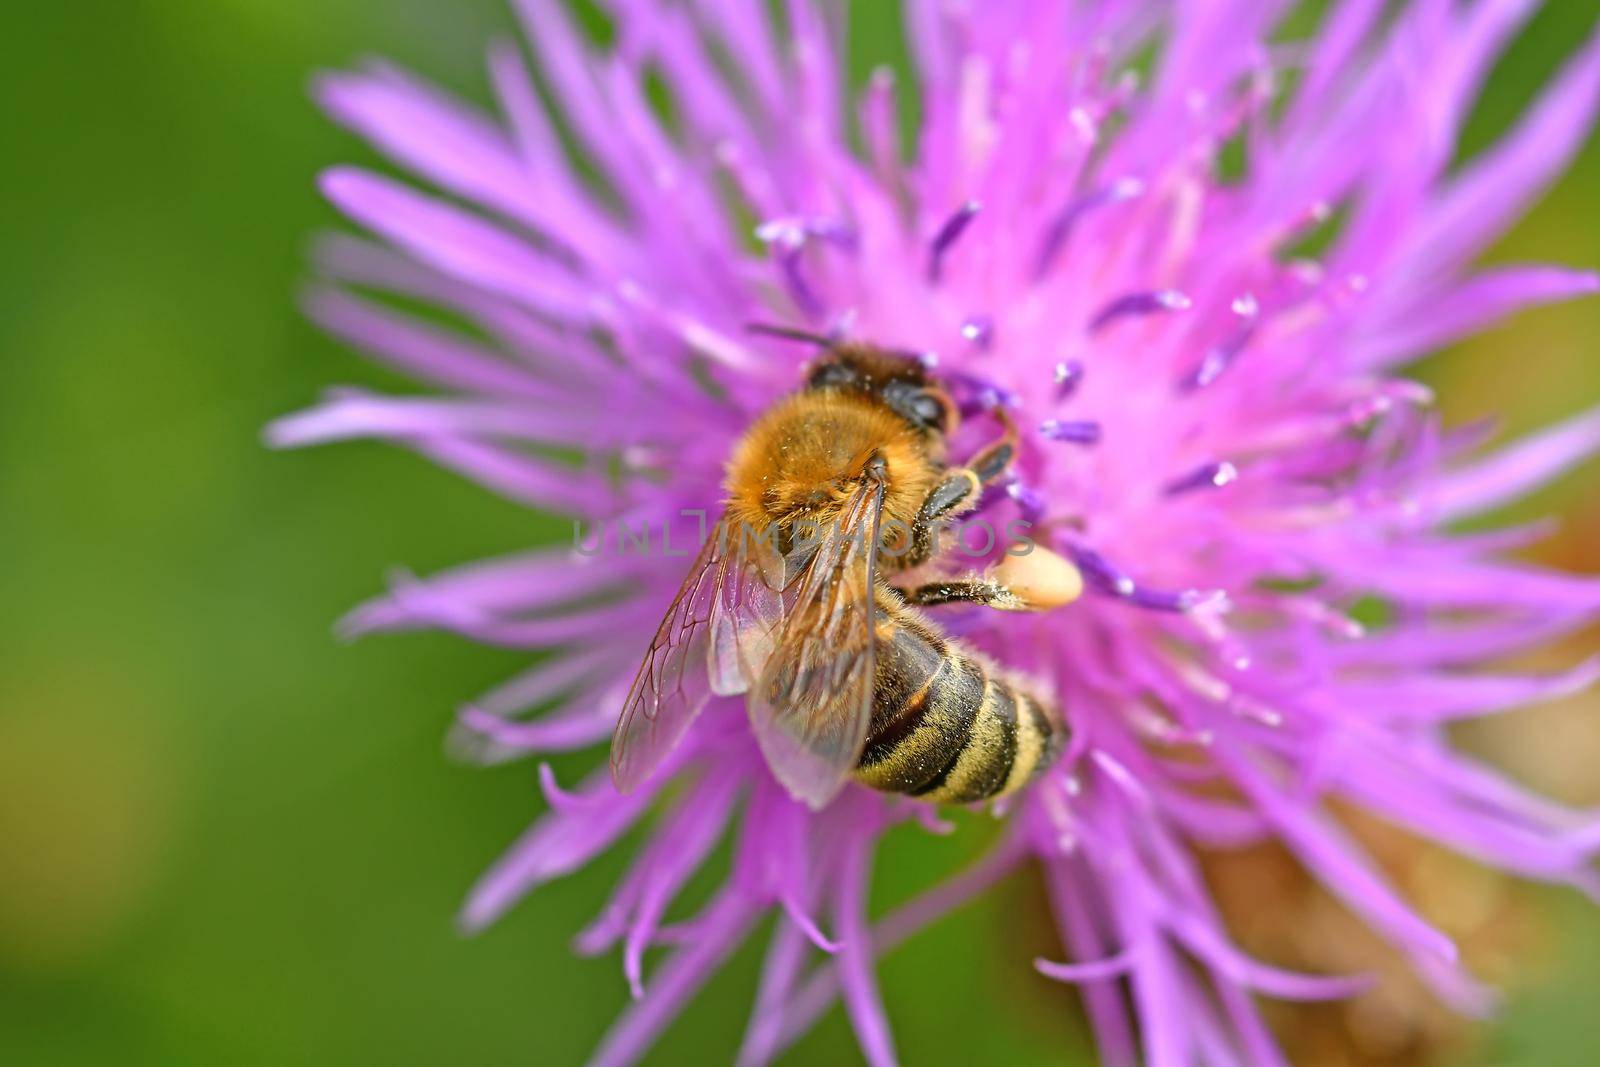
(897, 380)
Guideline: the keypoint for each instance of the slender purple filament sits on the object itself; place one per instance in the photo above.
(1107, 578)
(948, 235)
(979, 331)
(1217, 360)
(1208, 476)
(1135, 304)
(1059, 231)
(1073, 431)
(1068, 375)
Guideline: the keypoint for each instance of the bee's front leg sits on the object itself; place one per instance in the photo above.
(993, 461)
(959, 490)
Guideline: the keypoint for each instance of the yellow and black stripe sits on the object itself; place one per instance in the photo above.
(946, 727)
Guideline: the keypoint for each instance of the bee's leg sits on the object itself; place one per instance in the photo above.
(958, 491)
(896, 592)
(953, 494)
(993, 461)
(1035, 579)
(973, 590)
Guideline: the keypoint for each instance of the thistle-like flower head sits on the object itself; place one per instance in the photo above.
(1193, 283)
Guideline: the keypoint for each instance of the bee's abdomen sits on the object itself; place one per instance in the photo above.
(944, 727)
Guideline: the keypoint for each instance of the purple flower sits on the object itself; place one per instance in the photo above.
(1215, 431)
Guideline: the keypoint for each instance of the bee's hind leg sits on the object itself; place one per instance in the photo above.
(976, 589)
(1033, 580)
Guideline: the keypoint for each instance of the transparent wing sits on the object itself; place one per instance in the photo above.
(714, 640)
(813, 704)
(746, 614)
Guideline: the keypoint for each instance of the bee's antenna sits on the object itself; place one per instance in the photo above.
(789, 333)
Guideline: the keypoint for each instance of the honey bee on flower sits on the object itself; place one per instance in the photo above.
(1103, 334)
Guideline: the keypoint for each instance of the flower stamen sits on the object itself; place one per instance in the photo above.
(1059, 231)
(947, 236)
(1072, 431)
(1210, 475)
(1068, 375)
(1137, 304)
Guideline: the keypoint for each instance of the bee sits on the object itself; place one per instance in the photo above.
(844, 676)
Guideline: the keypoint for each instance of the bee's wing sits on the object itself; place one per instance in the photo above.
(746, 615)
(813, 704)
(714, 640)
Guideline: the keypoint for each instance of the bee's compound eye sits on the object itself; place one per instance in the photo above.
(929, 410)
(832, 376)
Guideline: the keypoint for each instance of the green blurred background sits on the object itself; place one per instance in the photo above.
(225, 837)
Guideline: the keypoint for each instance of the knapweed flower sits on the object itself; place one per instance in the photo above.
(1193, 280)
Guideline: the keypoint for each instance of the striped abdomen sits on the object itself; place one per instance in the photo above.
(945, 728)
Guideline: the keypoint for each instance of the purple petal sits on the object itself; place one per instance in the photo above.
(557, 844)
(722, 928)
(462, 152)
(457, 242)
(425, 352)
(1474, 306)
(1518, 469)
(856, 978)
(1496, 188)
